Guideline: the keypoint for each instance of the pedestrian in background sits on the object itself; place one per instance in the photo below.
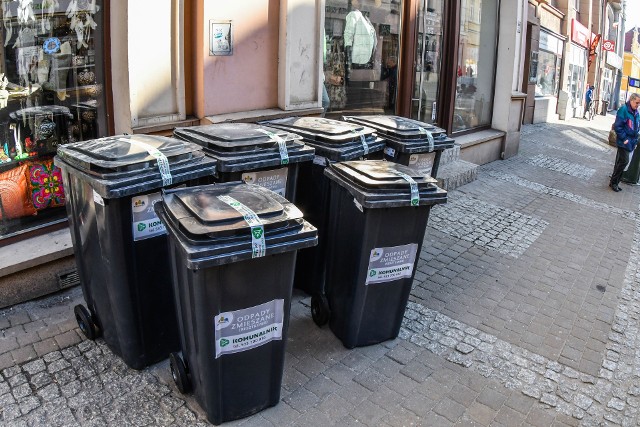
(588, 98)
(627, 125)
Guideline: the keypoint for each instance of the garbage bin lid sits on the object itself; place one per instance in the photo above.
(380, 174)
(406, 135)
(400, 127)
(44, 110)
(321, 130)
(130, 164)
(211, 230)
(348, 151)
(376, 183)
(199, 211)
(240, 147)
(236, 136)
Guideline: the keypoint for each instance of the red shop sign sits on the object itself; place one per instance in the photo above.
(580, 34)
(609, 45)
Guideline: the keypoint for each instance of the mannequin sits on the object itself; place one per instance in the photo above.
(360, 38)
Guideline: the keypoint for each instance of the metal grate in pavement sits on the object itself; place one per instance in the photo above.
(68, 279)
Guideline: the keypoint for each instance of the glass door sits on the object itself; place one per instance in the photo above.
(428, 61)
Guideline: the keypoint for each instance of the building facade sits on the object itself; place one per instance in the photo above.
(99, 67)
(571, 45)
(631, 69)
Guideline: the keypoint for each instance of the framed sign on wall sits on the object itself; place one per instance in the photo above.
(220, 38)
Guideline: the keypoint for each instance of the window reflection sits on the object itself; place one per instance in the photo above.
(476, 64)
(361, 62)
(51, 93)
(547, 74)
(427, 60)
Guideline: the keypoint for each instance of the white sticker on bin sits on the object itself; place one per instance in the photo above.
(161, 160)
(282, 146)
(319, 160)
(98, 198)
(429, 137)
(415, 195)
(389, 151)
(258, 245)
(362, 140)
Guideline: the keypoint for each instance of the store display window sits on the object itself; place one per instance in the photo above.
(362, 45)
(548, 74)
(476, 64)
(51, 93)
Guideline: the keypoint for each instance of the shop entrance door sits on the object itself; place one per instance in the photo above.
(576, 79)
(428, 61)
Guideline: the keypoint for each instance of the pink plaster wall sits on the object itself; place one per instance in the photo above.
(248, 79)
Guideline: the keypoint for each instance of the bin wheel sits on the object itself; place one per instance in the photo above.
(320, 309)
(86, 322)
(179, 373)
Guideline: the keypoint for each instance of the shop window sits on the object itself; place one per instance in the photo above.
(476, 65)
(361, 62)
(547, 75)
(51, 93)
(428, 60)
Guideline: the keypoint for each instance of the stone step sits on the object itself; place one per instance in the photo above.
(450, 155)
(456, 174)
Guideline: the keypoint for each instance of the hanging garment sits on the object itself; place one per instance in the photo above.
(360, 35)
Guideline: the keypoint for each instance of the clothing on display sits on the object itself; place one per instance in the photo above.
(360, 36)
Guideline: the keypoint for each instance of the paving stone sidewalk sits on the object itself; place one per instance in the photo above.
(524, 311)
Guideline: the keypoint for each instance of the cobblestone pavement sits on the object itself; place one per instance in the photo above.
(524, 311)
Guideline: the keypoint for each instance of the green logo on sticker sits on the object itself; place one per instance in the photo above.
(372, 273)
(224, 342)
(285, 161)
(414, 202)
(141, 227)
(257, 232)
(235, 204)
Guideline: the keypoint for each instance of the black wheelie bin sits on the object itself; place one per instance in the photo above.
(233, 248)
(252, 153)
(379, 212)
(120, 245)
(334, 141)
(409, 142)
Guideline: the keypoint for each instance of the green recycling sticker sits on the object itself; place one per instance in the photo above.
(258, 244)
(282, 146)
(257, 232)
(415, 194)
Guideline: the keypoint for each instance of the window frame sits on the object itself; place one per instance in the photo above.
(451, 41)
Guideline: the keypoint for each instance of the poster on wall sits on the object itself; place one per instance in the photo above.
(220, 38)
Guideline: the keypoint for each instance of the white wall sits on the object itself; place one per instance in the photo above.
(156, 76)
(299, 68)
(509, 69)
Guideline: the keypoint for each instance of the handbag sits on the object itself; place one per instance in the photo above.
(334, 79)
(613, 137)
(334, 76)
(337, 97)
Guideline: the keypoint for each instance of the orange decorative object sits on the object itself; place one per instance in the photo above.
(14, 194)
